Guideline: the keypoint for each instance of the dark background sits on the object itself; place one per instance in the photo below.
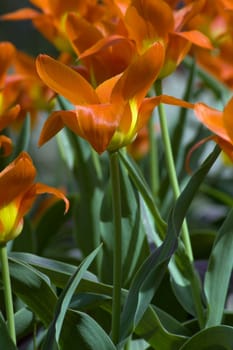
(22, 33)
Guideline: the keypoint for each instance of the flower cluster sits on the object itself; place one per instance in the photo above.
(105, 86)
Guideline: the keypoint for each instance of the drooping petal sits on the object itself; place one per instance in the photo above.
(53, 125)
(65, 81)
(212, 119)
(150, 103)
(42, 188)
(36, 189)
(16, 178)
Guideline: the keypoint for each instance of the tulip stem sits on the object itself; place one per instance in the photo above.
(171, 167)
(7, 292)
(153, 154)
(116, 207)
(176, 191)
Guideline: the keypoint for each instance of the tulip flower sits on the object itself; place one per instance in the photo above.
(18, 192)
(109, 116)
(220, 123)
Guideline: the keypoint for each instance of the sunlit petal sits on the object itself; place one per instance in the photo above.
(197, 38)
(65, 81)
(139, 76)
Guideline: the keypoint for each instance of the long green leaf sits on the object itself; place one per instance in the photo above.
(34, 289)
(153, 269)
(213, 338)
(169, 334)
(80, 331)
(145, 192)
(59, 273)
(5, 339)
(64, 301)
(219, 272)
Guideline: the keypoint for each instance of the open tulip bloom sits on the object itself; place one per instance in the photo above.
(110, 116)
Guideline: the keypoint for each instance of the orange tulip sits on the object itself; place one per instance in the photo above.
(109, 116)
(18, 192)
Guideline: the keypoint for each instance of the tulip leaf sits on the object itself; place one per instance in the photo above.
(23, 322)
(219, 272)
(134, 244)
(5, 339)
(83, 332)
(151, 272)
(33, 288)
(64, 301)
(167, 335)
(59, 273)
(213, 338)
(140, 183)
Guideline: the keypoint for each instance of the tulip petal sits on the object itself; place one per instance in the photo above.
(140, 75)
(53, 125)
(16, 178)
(228, 118)
(95, 123)
(42, 188)
(5, 145)
(212, 119)
(21, 14)
(196, 38)
(65, 81)
(81, 33)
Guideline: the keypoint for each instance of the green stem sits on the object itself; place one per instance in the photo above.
(176, 191)
(7, 292)
(153, 156)
(180, 126)
(116, 204)
(171, 167)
